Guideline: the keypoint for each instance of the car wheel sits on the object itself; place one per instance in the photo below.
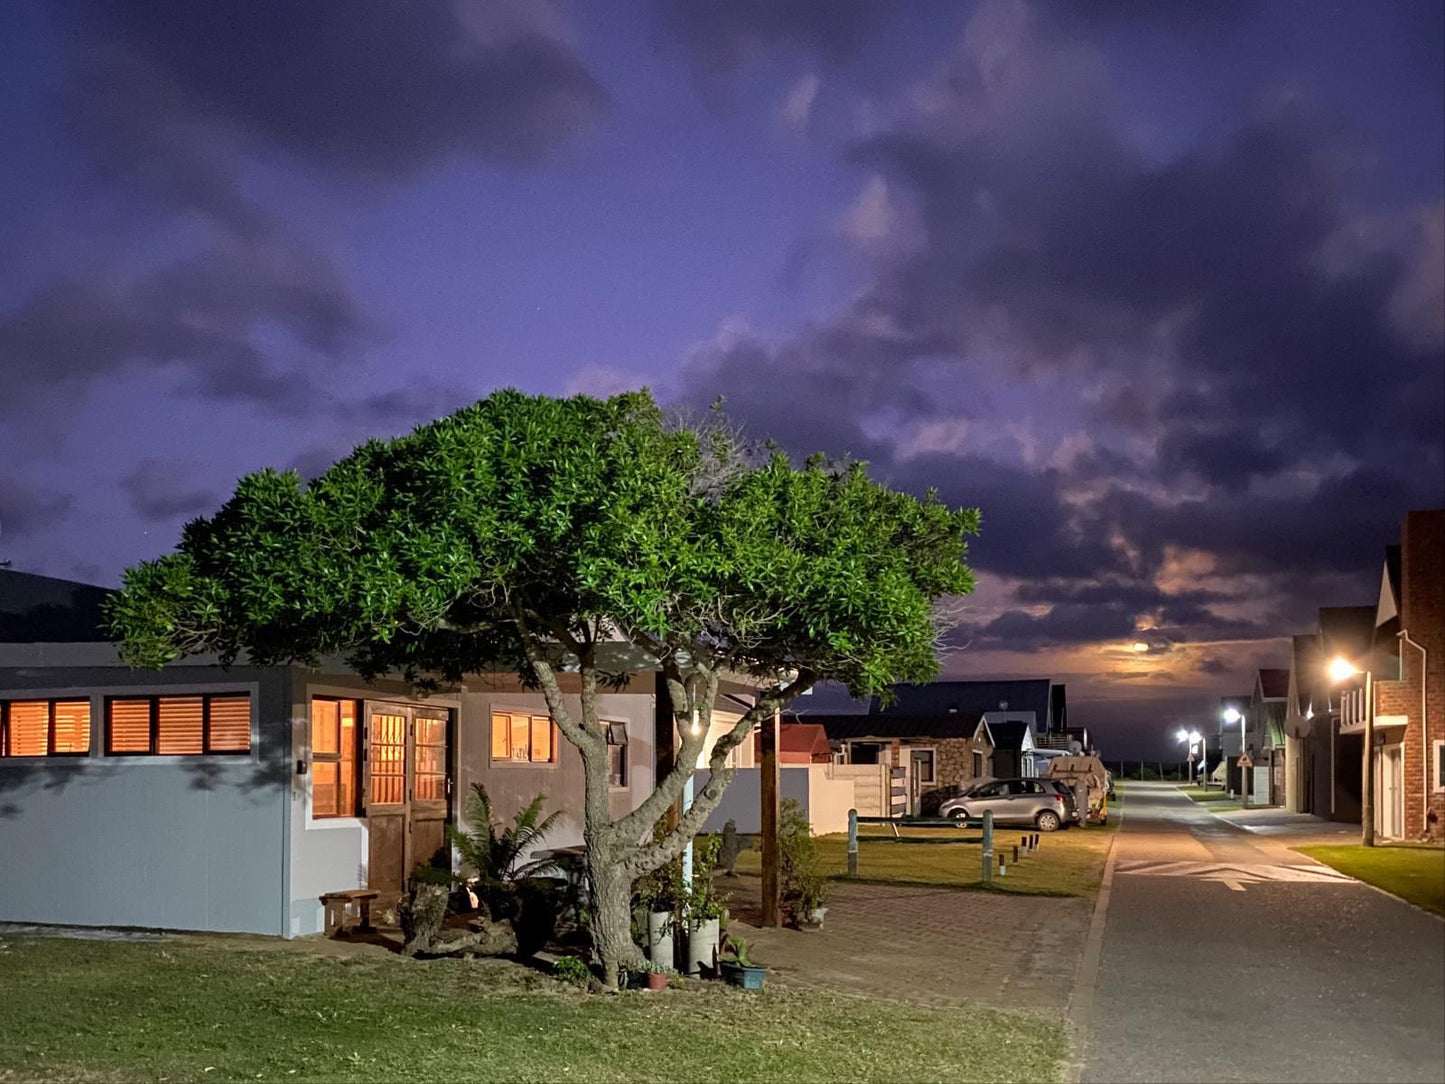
(959, 814)
(1047, 821)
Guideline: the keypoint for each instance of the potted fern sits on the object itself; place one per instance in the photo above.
(739, 969)
(656, 975)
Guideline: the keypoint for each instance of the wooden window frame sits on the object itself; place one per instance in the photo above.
(155, 716)
(624, 781)
(527, 761)
(1437, 758)
(49, 702)
(358, 727)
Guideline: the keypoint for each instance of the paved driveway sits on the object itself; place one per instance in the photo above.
(933, 945)
(1228, 957)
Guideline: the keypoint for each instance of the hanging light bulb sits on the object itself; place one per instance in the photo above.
(696, 724)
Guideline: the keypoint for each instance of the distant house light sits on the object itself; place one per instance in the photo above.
(1003, 705)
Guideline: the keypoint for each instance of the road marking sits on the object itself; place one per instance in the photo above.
(1234, 875)
(1086, 980)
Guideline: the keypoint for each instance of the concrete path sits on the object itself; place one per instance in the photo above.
(1228, 957)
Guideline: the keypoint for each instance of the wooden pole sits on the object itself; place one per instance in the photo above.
(852, 843)
(772, 807)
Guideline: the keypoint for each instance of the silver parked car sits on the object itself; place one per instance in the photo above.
(1042, 803)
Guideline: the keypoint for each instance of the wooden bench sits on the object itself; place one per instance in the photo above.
(338, 907)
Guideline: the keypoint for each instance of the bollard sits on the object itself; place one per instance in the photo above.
(988, 844)
(1034, 846)
(852, 843)
(1016, 854)
(1002, 866)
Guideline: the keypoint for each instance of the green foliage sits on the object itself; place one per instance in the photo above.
(494, 851)
(738, 951)
(804, 885)
(701, 900)
(409, 554)
(574, 970)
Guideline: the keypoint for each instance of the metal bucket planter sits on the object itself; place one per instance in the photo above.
(659, 938)
(702, 946)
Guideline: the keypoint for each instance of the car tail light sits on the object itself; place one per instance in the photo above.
(1059, 798)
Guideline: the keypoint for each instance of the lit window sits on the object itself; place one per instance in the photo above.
(44, 728)
(523, 738)
(334, 789)
(178, 725)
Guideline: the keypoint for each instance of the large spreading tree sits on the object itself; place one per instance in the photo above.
(530, 532)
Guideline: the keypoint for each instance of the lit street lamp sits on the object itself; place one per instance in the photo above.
(1342, 670)
(1193, 737)
(1231, 716)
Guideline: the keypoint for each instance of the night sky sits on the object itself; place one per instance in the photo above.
(1158, 286)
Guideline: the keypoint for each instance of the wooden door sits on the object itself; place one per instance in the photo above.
(408, 786)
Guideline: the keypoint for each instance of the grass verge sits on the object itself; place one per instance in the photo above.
(1414, 872)
(1217, 801)
(1068, 863)
(205, 1009)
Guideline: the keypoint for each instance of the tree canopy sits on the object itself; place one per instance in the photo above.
(595, 517)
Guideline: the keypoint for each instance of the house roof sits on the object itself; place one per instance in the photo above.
(802, 738)
(1009, 735)
(847, 727)
(42, 609)
(970, 698)
(1305, 664)
(1273, 683)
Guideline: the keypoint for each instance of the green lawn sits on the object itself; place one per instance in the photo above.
(1214, 798)
(1414, 872)
(223, 1010)
(1068, 863)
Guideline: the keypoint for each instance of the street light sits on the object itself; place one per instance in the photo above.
(1194, 738)
(1342, 670)
(1231, 716)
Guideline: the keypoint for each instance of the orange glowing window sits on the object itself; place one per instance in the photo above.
(40, 728)
(178, 725)
(335, 784)
(523, 738)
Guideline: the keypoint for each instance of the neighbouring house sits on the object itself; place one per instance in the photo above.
(925, 757)
(799, 743)
(1038, 702)
(229, 799)
(1013, 742)
(1407, 661)
(1319, 715)
(1264, 736)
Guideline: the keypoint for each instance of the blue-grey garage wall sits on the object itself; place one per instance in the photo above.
(742, 801)
(189, 843)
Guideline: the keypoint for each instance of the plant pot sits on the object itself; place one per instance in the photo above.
(659, 938)
(655, 979)
(816, 915)
(744, 975)
(702, 946)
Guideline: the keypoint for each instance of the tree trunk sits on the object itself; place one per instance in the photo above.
(612, 915)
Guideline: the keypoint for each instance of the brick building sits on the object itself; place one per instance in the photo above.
(1408, 662)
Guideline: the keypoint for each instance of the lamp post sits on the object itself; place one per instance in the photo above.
(1342, 670)
(1231, 716)
(1192, 737)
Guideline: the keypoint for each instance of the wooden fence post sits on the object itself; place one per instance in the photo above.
(852, 843)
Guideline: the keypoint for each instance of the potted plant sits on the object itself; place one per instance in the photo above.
(804, 887)
(656, 975)
(702, 909)
(739, 969)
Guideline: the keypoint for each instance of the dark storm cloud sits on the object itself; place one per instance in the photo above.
(201, 315)
(26, 510)
(721, 36)
(1229, 306)
(161, 491)
(377, 89)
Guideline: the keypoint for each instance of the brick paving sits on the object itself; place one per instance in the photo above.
(927, 944)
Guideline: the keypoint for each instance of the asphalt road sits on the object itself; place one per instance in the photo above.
(1227, 957)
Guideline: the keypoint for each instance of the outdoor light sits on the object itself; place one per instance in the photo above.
(1232, 716)
(1341, 669)
(1193, 737)
(1140, 646)
(1181, 734)
(696, 727)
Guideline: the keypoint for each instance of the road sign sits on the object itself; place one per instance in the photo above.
(1245, 761)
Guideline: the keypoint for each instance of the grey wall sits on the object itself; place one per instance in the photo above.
(511, 786)
(174, 842)
(742, 801)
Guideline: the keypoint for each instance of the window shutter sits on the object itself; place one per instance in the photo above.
(129, 726)
(29, 728)
(230, 724)
(180, 725)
